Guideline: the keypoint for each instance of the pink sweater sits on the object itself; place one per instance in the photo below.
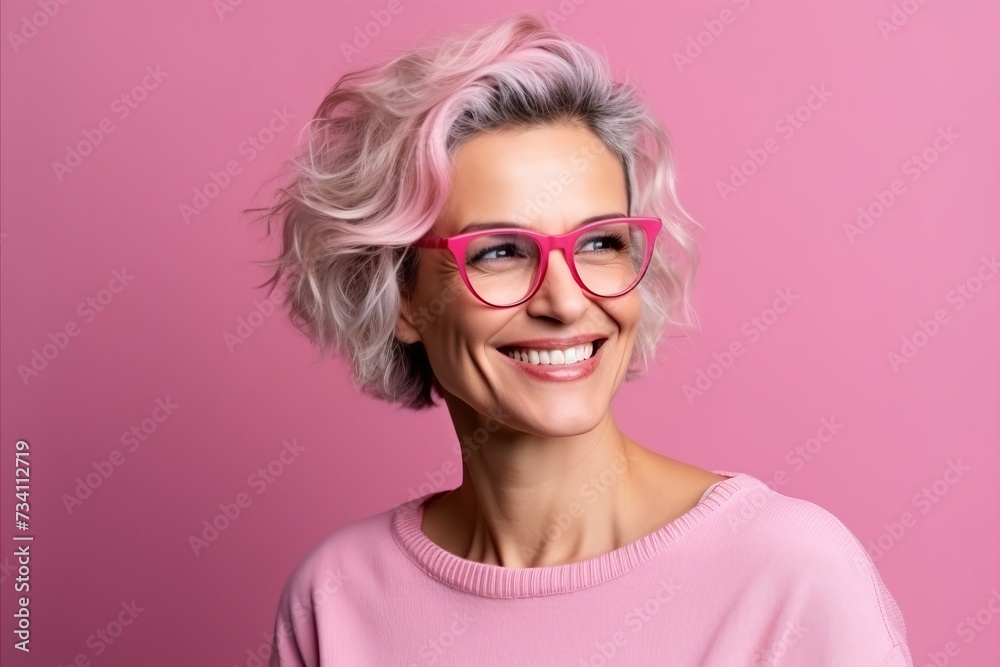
(746, 577)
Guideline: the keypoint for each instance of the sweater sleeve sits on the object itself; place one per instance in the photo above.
(899, 656)
(848, 612)
(296, 641)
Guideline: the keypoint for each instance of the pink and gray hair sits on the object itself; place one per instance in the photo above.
(375, 174)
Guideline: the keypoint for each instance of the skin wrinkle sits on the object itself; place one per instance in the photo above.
(555, 435)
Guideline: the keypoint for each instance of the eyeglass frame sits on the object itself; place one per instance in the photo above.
(459, 243)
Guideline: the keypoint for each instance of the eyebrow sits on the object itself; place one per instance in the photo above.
(494, 225)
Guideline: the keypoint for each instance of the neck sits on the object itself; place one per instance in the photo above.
(534, 501)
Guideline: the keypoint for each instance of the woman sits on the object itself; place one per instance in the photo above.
(486, 218)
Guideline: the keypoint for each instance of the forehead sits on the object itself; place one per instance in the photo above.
(548, 177)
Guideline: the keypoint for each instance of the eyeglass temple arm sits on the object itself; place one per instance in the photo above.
(431, 242)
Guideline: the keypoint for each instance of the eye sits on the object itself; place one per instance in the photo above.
(497, 253)
(604, 241)
(502, 249)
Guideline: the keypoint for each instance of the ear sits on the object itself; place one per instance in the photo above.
(408, 327)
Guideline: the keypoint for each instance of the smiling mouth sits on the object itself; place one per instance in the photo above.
(554, 356)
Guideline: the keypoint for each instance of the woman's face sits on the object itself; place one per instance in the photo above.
(550, 179)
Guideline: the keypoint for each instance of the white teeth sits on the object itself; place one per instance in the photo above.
(565, 356)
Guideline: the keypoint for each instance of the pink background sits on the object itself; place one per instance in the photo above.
(164, 335)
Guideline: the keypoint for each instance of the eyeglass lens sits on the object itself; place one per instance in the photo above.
(502, 267)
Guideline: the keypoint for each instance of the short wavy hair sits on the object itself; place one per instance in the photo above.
(375, 172)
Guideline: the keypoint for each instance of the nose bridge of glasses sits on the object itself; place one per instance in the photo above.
(564, 272)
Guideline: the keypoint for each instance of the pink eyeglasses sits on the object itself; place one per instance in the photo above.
(505, 266)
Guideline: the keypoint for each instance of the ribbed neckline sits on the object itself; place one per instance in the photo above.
(494, 581)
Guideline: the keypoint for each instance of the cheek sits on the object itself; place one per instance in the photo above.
(459, 342)
(438, 301)
(625, 310)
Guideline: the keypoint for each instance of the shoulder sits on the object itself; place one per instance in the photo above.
(801, 527)
(802, 550)
(326, 581)
(801, 535)
(346, 547)
(345, 556)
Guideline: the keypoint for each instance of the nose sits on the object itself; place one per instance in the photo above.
(559, 296)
